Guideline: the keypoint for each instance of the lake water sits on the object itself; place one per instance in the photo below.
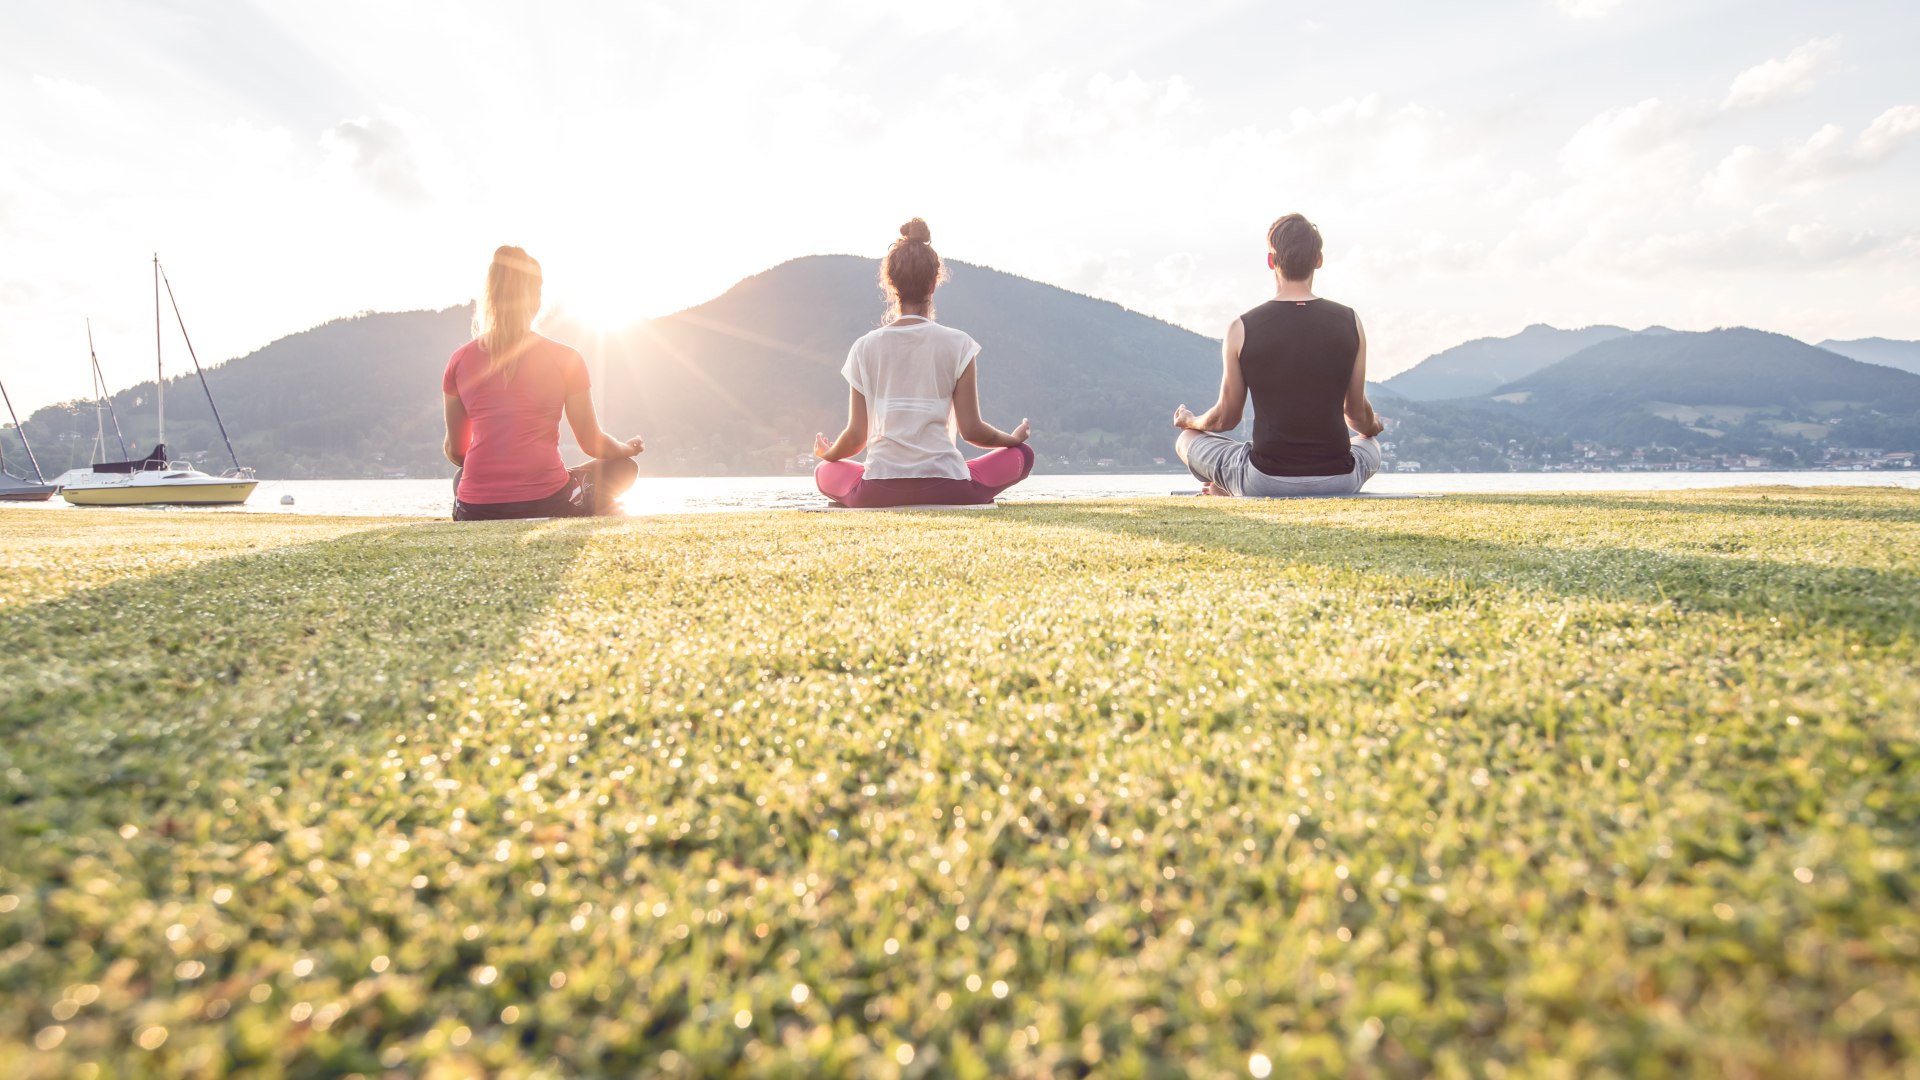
(675, 495)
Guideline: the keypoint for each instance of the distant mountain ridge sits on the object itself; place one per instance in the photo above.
(738, 384)
(1737, 366)
(1476, 367)
(1755, 394)
(1904, 355)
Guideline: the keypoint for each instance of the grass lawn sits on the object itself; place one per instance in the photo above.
(1523, 786)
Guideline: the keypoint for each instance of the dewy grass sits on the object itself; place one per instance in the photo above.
(1473, 786)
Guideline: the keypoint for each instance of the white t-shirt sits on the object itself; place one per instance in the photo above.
(907, 372)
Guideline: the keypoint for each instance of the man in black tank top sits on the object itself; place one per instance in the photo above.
(1304, 361)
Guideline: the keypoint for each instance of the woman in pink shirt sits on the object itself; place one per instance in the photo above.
(505, 393)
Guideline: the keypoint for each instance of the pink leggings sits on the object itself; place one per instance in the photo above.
(990, 474)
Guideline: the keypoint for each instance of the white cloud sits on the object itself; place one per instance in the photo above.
(377, 151)
(1623, 138)
(1774, 79)
(1756, 247)
(1617, 174)
(1056, 114)
(79, 96)
(1749, 176)
(1138, 99)
(1095, 144)
(1176, 270)
(1886, 133)
(1588, 9)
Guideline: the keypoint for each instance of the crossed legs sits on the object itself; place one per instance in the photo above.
(988, 475)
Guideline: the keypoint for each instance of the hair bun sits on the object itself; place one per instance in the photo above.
(916, 230)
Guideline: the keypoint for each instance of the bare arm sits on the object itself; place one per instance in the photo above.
(1226, 412)
(967, 419)
(588, 433)
(459, 430)
(1360, 415)
(852, 438)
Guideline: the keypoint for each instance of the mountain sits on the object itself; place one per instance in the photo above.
(736, 385)
(1904, 355)
(740, 384)
(1478, 366)
(1736, 387)
(352, 397)
(1739, 367)
(750, 376)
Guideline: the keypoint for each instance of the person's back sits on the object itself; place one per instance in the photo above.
(912, 386)
(908, 370)
(505, 393)
(1303, 360)
(1297, 357)
(514, 455)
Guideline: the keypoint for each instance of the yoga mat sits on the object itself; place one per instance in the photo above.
(888, 509)
(1351, 495)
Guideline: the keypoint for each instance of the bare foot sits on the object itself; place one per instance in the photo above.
(1211, 488)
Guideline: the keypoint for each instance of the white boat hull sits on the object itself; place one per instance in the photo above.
(170, 487)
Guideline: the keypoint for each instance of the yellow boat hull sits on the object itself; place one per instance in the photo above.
(225, 493)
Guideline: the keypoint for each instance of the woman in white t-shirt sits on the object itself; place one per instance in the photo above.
(913, 387)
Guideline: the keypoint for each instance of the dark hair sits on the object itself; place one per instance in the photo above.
(912, 268)
(1295, 243)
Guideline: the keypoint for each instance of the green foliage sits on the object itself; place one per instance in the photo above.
(1600, 785)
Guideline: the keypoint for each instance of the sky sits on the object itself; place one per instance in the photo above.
(1474, 166)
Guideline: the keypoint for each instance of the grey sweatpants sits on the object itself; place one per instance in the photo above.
(1228, 463)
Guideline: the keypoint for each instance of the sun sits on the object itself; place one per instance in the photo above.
(599, 303)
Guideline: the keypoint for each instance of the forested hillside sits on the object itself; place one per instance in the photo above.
(352, 397)
(740, 384)
(1735, 389)
(745, 380)
(1904, 355)
(736, 385)
(1476, 367)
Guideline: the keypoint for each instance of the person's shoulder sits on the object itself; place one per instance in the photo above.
(954, 335)
(471, 353)
(868, 341)
(1338, 308)
(557, 349)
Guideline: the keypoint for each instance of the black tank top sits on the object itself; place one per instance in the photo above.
(1297, 358)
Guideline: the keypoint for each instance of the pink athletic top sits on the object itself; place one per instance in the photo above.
(515, 453)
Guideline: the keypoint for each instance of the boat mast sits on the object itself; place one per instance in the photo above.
(159, 371)
(100, 392)
(222, 424)
(22, 432)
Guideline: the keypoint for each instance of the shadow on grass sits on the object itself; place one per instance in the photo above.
(156, 682)
(1877, 606)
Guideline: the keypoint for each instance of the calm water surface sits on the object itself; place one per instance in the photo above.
(678, 495)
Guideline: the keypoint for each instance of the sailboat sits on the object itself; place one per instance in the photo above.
(19, 488)
(155, 480)
(102, 409)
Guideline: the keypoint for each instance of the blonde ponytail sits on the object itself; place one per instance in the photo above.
(507, 309)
